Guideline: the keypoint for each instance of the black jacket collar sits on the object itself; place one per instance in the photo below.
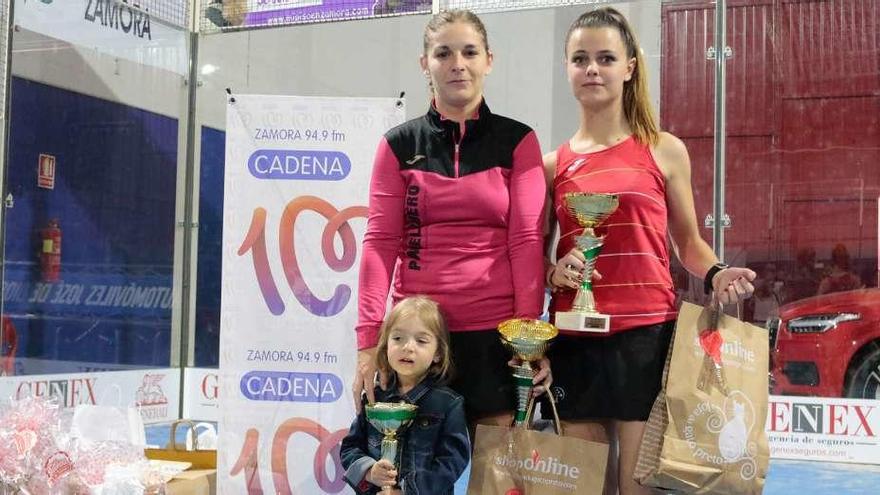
(442, 125)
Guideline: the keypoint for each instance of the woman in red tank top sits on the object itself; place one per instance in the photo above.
(606, 384)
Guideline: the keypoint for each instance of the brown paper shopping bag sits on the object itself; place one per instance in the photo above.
(521, 461)
(705, 433)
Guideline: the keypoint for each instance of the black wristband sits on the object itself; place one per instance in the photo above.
(707, 282)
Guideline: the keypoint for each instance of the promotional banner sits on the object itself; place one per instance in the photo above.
(250, 13)
(154, 392)
(824, 429)
(295, 196)
(200, 397)
(120, 28)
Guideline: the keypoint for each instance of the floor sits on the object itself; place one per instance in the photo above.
(785, 477)
(801, 478)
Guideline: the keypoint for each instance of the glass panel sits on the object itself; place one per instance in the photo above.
(8, 337)
(687, 92)
(95, 157)
(802, 186)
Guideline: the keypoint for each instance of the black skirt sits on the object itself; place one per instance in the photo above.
(614, 377)
(481, 374)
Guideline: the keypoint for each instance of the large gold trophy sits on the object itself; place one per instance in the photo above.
(390, 418)
(528, 340)
(589, 210)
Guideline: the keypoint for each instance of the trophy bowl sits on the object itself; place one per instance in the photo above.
(527, 340)
(390, 418)
(589, 210)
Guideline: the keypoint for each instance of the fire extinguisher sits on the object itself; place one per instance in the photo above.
(50, 253)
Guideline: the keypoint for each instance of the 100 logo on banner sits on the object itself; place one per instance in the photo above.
(248, 463)
(337, 223)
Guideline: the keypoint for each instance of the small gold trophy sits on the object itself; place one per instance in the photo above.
(390, 418)
(589, 210)
(528, 340)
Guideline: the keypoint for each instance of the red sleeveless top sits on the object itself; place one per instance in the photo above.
(636, 287)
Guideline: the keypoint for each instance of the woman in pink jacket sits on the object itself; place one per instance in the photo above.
(456, 201)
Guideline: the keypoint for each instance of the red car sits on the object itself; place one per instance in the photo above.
(828, 346)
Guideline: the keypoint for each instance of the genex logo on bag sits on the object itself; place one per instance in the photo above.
(731, 424)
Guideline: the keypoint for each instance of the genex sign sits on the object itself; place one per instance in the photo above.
(814, 428)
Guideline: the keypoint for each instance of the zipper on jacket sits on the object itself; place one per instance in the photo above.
(457, 146)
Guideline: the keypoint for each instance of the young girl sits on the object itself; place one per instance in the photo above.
(606, 384)
(434, 450)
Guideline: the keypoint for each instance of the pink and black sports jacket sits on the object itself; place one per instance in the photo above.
(456, 216)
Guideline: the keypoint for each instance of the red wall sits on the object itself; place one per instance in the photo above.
(803, 121)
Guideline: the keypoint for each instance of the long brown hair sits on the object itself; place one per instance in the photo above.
(636, 102)
(428, 313)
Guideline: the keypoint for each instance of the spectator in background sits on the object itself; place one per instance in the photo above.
(226, 13)
(839, 277)
(804, 279)
(764, 303)
(382, 7)
(8, 346)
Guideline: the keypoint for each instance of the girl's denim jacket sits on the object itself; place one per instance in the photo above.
(432, 452)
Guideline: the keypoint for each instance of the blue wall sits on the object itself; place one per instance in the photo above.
(114, 199)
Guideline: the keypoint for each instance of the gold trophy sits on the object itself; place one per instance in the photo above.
(528, 340)
(589, 210)
(390, 418)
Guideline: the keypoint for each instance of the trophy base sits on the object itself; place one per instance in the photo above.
(583, 322)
